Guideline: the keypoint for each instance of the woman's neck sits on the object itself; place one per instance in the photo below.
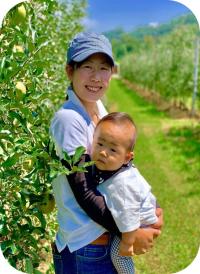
(92, 110)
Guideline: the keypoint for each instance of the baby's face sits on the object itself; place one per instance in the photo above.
(110, 146)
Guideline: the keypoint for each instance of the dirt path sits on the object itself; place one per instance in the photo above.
(174, 110)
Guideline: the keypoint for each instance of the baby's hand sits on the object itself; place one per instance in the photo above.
(159, 214)
(125, 249)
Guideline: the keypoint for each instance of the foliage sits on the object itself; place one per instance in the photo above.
(133, 41)
(160, 58)
(165, 28)
(125, 45)
(33, 42)
(165, 65)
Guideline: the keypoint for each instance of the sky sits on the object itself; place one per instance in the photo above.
(105, 15)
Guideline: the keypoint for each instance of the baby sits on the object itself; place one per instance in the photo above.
(127, 194)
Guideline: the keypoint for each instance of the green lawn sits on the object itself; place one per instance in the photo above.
(167, 154)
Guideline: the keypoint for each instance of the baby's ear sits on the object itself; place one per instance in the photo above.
(129, 156)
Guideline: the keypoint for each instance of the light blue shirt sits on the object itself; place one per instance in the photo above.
(72, 127)
(129, 198)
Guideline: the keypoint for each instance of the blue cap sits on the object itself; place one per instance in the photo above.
(85, 44)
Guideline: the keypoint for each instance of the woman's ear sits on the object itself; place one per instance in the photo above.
(112, 71)
(69, 71)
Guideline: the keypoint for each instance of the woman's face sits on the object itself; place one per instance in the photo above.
(91, 79)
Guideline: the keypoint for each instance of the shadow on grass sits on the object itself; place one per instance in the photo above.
(186, 142)
(187, 139)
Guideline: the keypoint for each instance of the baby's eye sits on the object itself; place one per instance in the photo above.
(113, 150)
(99, 144)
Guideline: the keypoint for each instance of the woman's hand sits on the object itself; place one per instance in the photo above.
(144, 239)
(125, 249)
(144, 236)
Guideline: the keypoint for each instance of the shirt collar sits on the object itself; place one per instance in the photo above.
(101, 176)
(77, 105)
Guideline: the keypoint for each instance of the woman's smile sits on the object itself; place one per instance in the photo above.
(93, 89)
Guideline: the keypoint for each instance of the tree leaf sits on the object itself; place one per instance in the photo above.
(10, 161)
(28, 266)
(77, 155)
(5, 245)
(41, 218)
(67, 158)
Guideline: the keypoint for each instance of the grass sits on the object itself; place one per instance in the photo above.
(167, 154)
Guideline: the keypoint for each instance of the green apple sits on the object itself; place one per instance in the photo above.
(28, 164)
(47, 203)
(21, 11)
(18, 48)
(21, 87)
(19, 15)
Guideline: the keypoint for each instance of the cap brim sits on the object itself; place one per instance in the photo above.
(84, 55)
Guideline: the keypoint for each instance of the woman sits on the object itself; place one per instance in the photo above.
(83, 246)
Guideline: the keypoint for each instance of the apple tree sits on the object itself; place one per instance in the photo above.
(33, 40)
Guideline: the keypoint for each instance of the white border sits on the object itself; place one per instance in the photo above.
(193, 268)
(6, 6)
(194, 6)
(5, 267)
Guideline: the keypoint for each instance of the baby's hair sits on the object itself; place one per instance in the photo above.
(120, 118)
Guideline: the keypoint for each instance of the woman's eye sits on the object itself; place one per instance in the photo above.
(104, 68)
(99, 144)
(113, 150)
(86, 67)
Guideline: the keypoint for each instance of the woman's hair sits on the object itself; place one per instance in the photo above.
(76, 65)
(121, 118)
